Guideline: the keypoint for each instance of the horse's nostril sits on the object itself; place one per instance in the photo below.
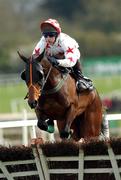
(32, 104)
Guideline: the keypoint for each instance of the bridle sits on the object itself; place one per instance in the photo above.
(43, 85)
(43, 91)
(30, 86)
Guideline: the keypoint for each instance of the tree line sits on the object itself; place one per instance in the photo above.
(95, 24)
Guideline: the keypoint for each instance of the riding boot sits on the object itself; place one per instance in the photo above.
(82, 83)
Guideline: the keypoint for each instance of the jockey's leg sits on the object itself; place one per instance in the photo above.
(83, 83)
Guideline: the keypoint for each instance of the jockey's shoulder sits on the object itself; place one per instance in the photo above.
(64, 36)
(42, 40)
(66, 39)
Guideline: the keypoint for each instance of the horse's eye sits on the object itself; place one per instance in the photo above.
(40, 78)
(40, 75)
(23, 75)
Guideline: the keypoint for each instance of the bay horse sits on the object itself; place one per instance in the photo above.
(54, 96)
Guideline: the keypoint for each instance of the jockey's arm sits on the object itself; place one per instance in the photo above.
(39, 48)
(70, 58)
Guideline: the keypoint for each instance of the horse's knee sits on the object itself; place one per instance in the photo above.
(50, 122)
(46, 125)
(42, 125)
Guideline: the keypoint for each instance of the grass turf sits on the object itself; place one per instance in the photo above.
(12, 95)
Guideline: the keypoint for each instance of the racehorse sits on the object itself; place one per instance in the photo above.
(54, 96)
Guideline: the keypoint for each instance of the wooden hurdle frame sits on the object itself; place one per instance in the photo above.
(44, 172)
(80, 160)
(10, 176)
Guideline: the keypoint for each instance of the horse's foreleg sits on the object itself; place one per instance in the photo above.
(44, 123)
(70, 116)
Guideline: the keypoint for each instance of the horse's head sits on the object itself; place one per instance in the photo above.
(33, 76)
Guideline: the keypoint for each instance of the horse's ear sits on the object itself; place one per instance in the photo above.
(40, 57)
(22, 57)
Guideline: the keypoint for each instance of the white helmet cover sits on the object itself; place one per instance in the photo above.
(53, 23)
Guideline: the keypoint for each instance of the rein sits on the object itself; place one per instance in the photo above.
(57, 87)
(45, 92)
(46, 78)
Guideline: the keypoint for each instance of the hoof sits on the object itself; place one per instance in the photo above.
(50, 129)
(64, 135)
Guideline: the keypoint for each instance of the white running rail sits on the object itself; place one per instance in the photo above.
(25, 123)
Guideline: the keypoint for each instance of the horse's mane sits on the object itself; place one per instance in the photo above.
(47, 65)
(45, 62)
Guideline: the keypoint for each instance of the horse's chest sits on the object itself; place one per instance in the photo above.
(55, 102)
(53, 108)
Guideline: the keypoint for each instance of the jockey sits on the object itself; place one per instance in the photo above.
(61, 50)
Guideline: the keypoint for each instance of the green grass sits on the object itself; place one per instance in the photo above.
(107, 84)
(13, 96)
(9, 94)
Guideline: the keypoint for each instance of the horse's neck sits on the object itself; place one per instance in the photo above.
(51, 73)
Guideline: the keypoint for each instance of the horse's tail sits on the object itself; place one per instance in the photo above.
(105, 123)
(105, 126)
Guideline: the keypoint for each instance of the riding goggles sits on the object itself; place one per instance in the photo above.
(50, 34)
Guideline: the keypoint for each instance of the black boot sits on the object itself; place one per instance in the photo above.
(83, 83)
